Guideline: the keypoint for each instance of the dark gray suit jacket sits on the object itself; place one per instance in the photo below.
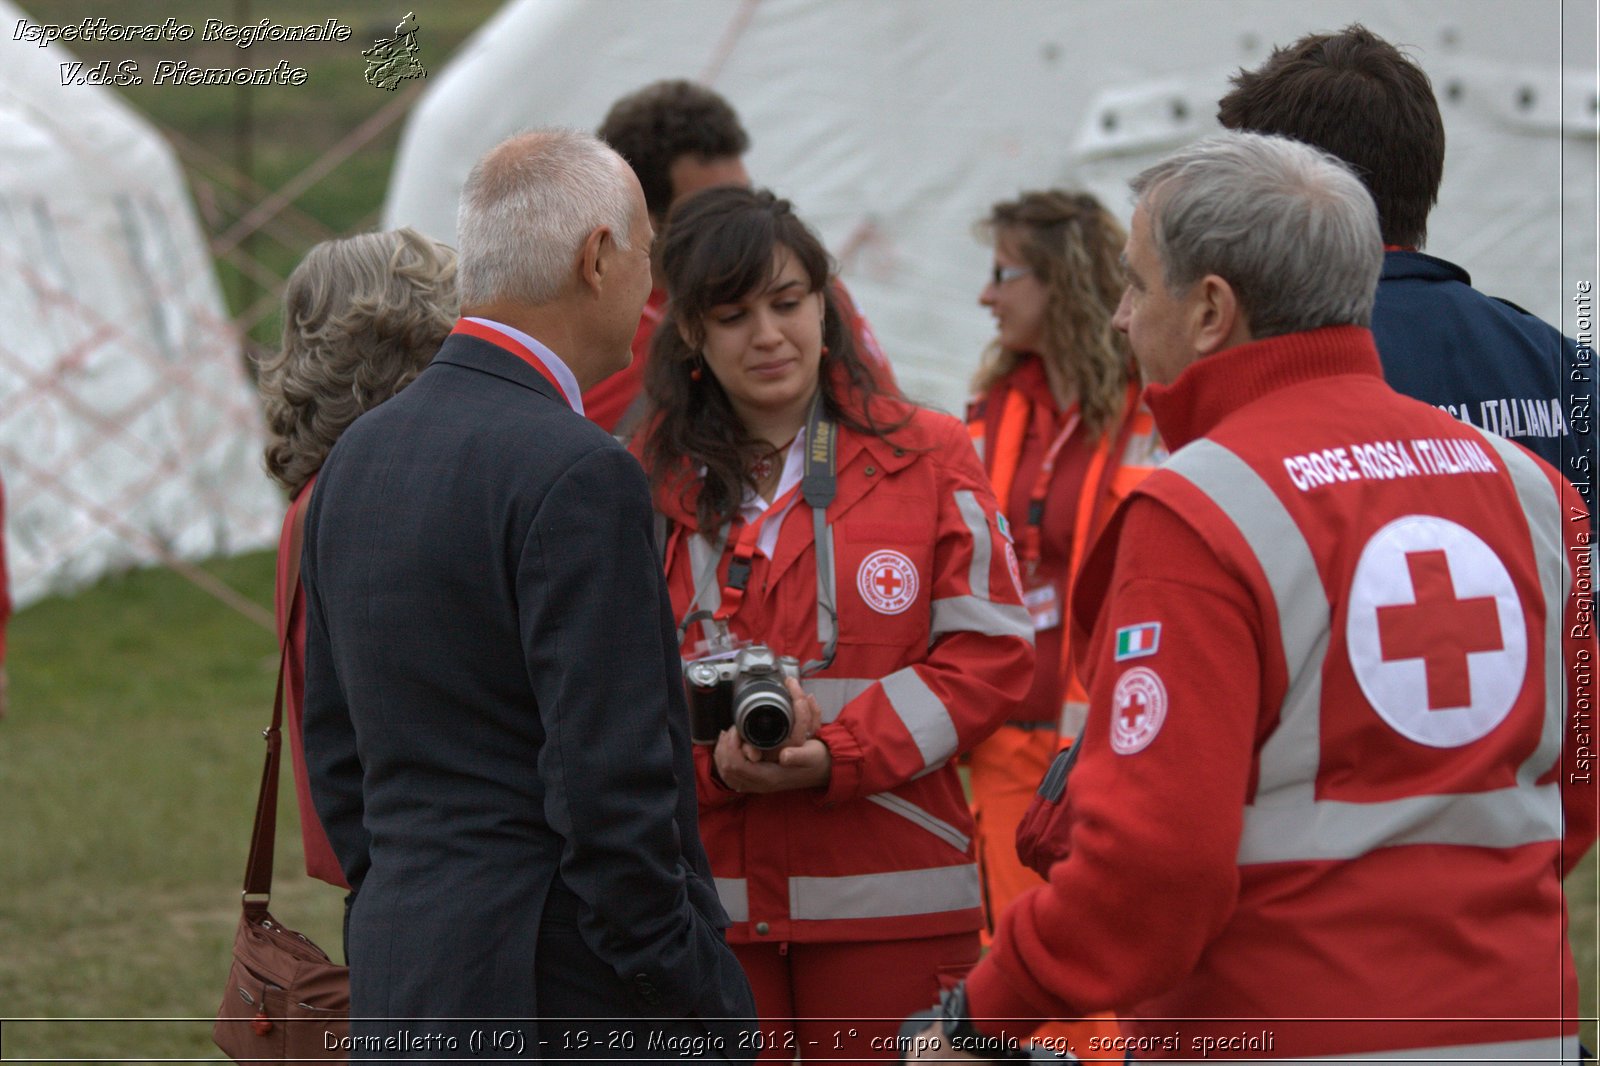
(494, 718)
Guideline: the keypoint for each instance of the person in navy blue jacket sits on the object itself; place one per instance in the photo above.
(1482, 359)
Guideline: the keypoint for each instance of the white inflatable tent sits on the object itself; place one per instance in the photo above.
(129, 432)
(894, 124)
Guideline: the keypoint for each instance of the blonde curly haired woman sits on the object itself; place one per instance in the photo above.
(1063, 435)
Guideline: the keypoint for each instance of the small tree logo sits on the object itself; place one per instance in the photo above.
(392, 60)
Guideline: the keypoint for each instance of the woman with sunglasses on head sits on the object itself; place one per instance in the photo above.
(1064, 437)
(856, 534)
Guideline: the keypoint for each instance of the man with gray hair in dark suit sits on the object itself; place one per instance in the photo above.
(494, 717)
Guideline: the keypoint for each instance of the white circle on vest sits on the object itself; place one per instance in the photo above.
(887, 580)
(1436, 631)
(1138, 707)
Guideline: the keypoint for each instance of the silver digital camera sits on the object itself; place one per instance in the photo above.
(743, 690)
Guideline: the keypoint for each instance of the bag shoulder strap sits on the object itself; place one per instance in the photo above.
(258, 867)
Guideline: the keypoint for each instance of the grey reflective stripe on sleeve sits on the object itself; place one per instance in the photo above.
(704, 558)
(977, 524)
(1285, 822)
(974, 614)
(923, 715)
(832, 693)
(1536, 1049)
(1543, 508)
(734, 896)
(912, 813)
(899, 894)
(1073, 717)
(1291, 755)
(827, 584)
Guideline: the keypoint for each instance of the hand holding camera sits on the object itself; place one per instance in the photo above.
(799, 761)
(747, 701)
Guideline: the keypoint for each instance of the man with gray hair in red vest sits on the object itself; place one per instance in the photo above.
(1335, 648)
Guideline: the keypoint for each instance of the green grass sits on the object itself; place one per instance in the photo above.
(128, 771)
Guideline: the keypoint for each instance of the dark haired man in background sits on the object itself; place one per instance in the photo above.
(1484, 360)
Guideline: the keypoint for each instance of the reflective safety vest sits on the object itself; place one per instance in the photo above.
(1286, 821)
(1412, 769)
(1322, 780)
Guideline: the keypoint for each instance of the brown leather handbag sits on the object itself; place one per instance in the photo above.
(285, 999)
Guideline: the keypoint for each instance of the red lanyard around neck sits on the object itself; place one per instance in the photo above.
(1028, 547)
(501, 339)
(744, 552)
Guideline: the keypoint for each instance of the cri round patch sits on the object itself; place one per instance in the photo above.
(887, 580)
(1138, 707)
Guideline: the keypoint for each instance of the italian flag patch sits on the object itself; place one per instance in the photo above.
(1135, 642)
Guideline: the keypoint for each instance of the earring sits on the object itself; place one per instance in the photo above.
(699, 370)
(824, 351)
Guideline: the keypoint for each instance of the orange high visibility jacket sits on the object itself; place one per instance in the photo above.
(999, 423)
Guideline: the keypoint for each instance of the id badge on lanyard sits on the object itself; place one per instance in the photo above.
(1042, 599)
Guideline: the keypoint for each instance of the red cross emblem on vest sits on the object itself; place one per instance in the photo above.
(1133, 711)
(887, 582)
(1436, 628)
(1139, 706)
(1439, 629)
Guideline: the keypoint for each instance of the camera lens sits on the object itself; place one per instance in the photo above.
(762, 712)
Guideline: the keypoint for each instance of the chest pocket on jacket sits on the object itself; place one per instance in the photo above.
(885, 583)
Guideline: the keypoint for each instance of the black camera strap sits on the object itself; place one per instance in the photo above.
(818, 486)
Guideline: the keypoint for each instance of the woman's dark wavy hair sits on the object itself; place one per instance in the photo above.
(718, 248)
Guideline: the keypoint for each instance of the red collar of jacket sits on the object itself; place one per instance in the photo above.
(1214, 387)
(1028, 377)
(857, 452)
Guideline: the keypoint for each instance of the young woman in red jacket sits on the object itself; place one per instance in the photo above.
(856, 534)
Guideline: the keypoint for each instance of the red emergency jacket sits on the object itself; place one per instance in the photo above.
(291, 617)
(885, 851)
(1328, 760)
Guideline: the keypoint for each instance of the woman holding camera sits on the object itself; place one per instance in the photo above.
(857, 534)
